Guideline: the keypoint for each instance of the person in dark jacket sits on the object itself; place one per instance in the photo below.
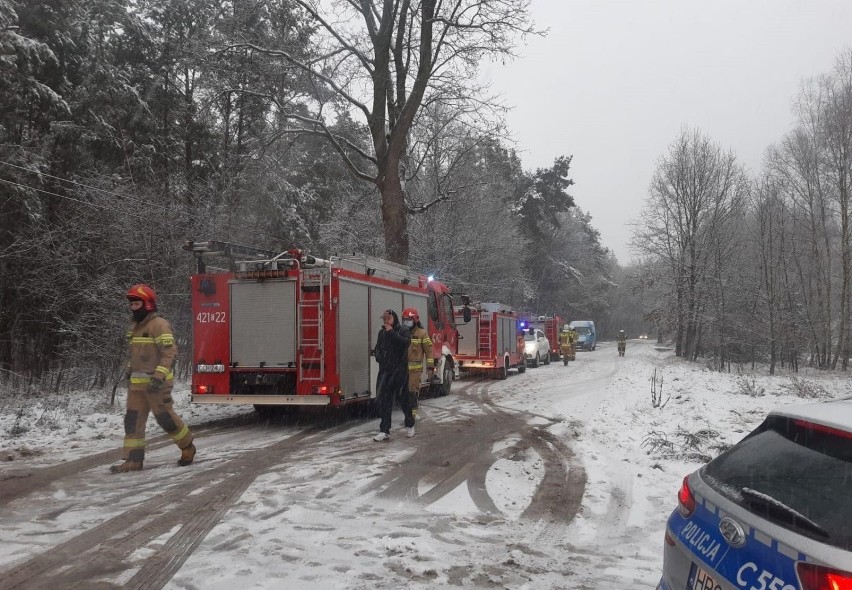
(392, 383)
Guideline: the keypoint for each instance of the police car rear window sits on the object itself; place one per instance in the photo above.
(787, 464)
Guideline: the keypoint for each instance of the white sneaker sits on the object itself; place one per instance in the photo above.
(409, 432)
(381, 436)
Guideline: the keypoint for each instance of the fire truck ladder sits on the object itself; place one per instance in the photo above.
(311, 344)
(485, 335)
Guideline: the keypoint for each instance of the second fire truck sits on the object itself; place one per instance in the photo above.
(489, 340)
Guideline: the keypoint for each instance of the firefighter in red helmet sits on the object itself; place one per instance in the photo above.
(149, 371)
(419, 357)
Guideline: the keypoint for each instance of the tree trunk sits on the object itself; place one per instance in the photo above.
(394, 215)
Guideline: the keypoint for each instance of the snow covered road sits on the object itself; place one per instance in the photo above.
(538, 481)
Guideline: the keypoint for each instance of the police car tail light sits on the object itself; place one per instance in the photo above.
(817, 577)
(685, 499)
(822, 428)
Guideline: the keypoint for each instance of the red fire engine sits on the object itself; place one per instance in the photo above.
(289, 329)
(551, 325)
(489, 340)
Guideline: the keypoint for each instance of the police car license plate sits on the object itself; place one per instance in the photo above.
(700, 579)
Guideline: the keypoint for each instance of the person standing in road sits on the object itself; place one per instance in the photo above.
(622, 342)
(149, 371)
(565, 343)
(572, 339)
(392, 381)
(419, 356)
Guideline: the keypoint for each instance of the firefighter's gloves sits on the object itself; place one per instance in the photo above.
(155, 384)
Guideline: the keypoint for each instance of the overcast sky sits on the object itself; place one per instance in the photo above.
(613, 82)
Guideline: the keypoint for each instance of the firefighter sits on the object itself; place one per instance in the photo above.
(565, 343)
(572, 339)
(419, 355)
(622, 342)
(149, 371)
(392, 381)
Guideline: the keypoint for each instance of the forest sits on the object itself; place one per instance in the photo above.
(132, 126)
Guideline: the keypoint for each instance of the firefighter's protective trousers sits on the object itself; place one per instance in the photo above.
(152, 355)
(419, 356)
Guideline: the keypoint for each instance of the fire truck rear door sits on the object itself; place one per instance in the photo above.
(263, 324)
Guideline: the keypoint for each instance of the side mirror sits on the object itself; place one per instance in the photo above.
(466, 314)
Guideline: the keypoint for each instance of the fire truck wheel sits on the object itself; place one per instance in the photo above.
(444, 388)
(503, 372)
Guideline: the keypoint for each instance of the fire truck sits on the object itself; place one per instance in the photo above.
(489, 340)
(551, 325)
(286, 328)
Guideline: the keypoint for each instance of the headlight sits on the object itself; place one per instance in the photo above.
(209, 368)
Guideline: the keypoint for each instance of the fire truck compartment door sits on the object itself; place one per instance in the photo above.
(468, 341)
(263, 324)
(353, 349)
(507, 337)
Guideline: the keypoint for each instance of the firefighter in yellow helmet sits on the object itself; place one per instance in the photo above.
(419, 356)
(149, 371)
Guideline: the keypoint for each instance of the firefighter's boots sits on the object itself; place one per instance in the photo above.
(187, 455)
(127, 466)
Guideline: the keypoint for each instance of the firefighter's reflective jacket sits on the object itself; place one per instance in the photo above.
(565, 339)
(152, 350)
(420, 350)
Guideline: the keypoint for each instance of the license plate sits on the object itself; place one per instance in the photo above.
(701, 579)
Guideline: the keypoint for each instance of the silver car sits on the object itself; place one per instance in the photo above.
(773, 512)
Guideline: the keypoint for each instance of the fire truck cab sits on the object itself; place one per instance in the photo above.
(289, 329)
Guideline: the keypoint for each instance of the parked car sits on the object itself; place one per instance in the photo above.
(587, 337)
(536, 347)
(773, 512)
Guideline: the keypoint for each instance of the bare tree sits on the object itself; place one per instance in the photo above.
(838, 164)
(695, 194)
(384, 59)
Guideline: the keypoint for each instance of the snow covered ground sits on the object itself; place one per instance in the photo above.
(342, 512)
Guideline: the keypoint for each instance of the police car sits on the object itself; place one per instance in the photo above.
(773, 512)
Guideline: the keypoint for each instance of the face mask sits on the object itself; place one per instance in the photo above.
(139, 314)
(408, 323)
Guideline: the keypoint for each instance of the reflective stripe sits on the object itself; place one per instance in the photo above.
(415, 366)
(180, 433)
(129, 334)
(163, 370)
(427, 341)
(134, 443)
(430, 363)
(165, 339)
(141, 340)
(139, 378)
